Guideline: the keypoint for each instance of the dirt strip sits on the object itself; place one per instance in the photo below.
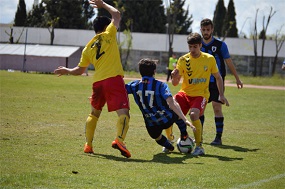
(228, 84)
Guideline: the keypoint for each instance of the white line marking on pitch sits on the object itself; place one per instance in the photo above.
(261, 181)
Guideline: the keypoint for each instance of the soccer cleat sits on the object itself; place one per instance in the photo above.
(122, 147)
(165, 150)
(199, 150)
(88, 149)
(217, 141)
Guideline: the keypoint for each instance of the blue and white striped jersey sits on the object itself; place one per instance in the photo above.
(150, 95)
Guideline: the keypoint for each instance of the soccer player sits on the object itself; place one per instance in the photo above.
(108, 84)
(196, 68)
(219, 50)
(157, 105)
(171, 66)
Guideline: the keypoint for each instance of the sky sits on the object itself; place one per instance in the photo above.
(245, 13)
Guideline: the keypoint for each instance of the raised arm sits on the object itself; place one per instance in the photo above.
(116, 15)
(72, 71)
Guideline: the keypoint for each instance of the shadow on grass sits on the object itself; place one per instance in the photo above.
(163, 158)
(158, 158)
(235, 148)
(221, 158)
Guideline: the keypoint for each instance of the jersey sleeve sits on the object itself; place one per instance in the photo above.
(84, 60)
(225, 51)
(164, 91)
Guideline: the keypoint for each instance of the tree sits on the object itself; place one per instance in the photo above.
(264, 29)
(183, 22)
(147, 16)
(21, 14)
(35, 16)
(229, 26)
(254, 38)
(219, 17)
(279, 41)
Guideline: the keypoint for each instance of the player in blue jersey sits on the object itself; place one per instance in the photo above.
(219, 50)
(157, 105)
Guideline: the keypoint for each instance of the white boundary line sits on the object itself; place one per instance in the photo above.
(260, 181)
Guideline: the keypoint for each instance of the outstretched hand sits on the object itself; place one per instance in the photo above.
(224, 100)
(61, 70)
(188, 123)
(96, 3)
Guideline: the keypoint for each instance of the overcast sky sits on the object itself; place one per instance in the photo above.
(245, 10)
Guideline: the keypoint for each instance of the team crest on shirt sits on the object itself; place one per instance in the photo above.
(206, 68)
(214, 48)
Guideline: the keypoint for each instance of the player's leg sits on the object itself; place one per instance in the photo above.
(198, 105)
(217, 107)
(97, 101)
(155, 133)
(169, 133)
(90, 127)
(182, 126)
(219, 122)
(168, 75)
(162, 141)
(184, 105)
(117, 100)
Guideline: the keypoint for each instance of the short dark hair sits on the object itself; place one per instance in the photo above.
(147, 67)
(100, 22)
(194, 38)
(206, 22)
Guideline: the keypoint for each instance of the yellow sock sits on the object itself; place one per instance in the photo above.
(198, 132)
(169, 133)
(90, 127)
(122, 127)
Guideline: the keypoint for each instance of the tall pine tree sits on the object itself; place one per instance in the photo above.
(182, 22)
(230, 25)
(219, 16)
(146, 16)
(35, 16)
(21, 14)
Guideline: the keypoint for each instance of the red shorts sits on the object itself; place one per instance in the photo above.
(112, 91)
(186, 102)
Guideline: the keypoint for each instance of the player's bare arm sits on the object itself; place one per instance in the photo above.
(116, 15)
(176, 108)
(175, 77)
(220, 85)
(231, 66)
(61, 70)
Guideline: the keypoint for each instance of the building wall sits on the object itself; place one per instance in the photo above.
(149, 45)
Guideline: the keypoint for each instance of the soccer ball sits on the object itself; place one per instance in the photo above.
(186, 146)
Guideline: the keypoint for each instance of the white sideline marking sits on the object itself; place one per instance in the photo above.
(261, 181)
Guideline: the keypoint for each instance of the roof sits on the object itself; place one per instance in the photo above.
(38, 50)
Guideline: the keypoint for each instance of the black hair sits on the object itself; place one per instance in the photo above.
(147, 67)
(194, 38)
(206, 22)
(100, 23)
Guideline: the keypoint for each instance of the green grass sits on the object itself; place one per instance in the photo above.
(42, 137)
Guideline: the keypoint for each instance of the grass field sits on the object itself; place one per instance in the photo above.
(42, 138)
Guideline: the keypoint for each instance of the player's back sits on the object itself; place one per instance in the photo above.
(150, 95)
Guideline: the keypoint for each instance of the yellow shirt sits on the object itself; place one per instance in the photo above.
(196, 73)
(102, 51)
(172, 62)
